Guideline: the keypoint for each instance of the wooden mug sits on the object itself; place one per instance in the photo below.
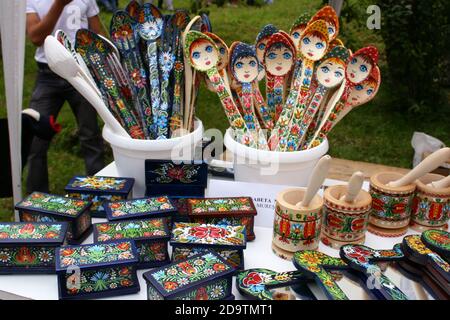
(344, 222)
(391, 206)
(430, 206)
(296, 228)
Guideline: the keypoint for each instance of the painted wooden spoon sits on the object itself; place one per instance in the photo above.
(427, 165)
(63, 63)
(124, 34)
(204, 56)
(315, 265)
(438, 241)
(329, 74)
(278, 60)
(316, 180)
(260, 46)
(328, 14)
(257, 283)
(224, 57)
(132, 9)
(95, 54)
(150, 29)
(362, 258)
(313, 47)
(244, 67)
(357, 70)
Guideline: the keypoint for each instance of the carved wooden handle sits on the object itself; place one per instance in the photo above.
(428, 164)
(354, 186)
(319, 174)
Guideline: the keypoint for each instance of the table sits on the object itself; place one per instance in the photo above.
(45, 286)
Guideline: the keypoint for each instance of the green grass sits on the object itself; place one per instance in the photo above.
(377, 132)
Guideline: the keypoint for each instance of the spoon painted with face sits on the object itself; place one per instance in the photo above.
(244, 67)
(260, 45)
(204, 57)
(150, 29)
(361, 93)
(312, 46)
(358, 69)
(295, 33)
(329, 74)
(328, 14)
(224, 55)
(278, 61)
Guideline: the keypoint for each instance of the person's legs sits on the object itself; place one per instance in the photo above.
(46, 99)
(88, 131)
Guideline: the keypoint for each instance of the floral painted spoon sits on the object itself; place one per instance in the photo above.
(224, 55)
(93, 51)
(123, 31)
(295, 33)
(244, 67)
(312, 46)
(358, 69)
(204, 56)
(132, 9)
(316, 264)
(329, 74)
(362, 259)
(258, 283)
(150, 29)
(278, 61)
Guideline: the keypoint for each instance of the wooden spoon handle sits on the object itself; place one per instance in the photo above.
(354, 186)
(318, 175)
(428, 164)
(443, 183)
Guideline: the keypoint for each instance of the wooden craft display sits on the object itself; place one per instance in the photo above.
(298, 215)
(430, 207)
(346, 213)
(391, 206)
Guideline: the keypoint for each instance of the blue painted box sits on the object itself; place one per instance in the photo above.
(145, 208)
(189, 239)
(97, 270)
(43, 207)
(164, 177)
(29, 247)
(98, 190)
(203, 277)
(151, 237)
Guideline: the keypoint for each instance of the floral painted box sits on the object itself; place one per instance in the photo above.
(233, 211)
(97, 270)
(29, 247)
(151, 238)
(145, 208)
(164, 177)
(42, 207)
(202, 277)
(189, 239)
(98, 190)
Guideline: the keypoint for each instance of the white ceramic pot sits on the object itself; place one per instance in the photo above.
(272, 167)
(130, 154)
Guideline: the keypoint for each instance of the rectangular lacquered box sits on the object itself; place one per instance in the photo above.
(29, 247)
(98, 190)
(42, 207)
(202, 277)
(151, 237)
(97, 270)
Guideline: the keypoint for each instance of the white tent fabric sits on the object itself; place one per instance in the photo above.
(12, 27)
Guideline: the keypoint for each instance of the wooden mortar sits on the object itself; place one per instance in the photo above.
(430, 207)
(391, 206)
(344, 222)
(296, 228)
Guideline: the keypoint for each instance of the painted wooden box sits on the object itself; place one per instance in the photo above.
(163, 177)
(97, 270)
(202, 277)
(42, 207)
(145, 208)
(98, 190)
(233, 211)
(29, 247)
(151, 238)
(189, 239)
